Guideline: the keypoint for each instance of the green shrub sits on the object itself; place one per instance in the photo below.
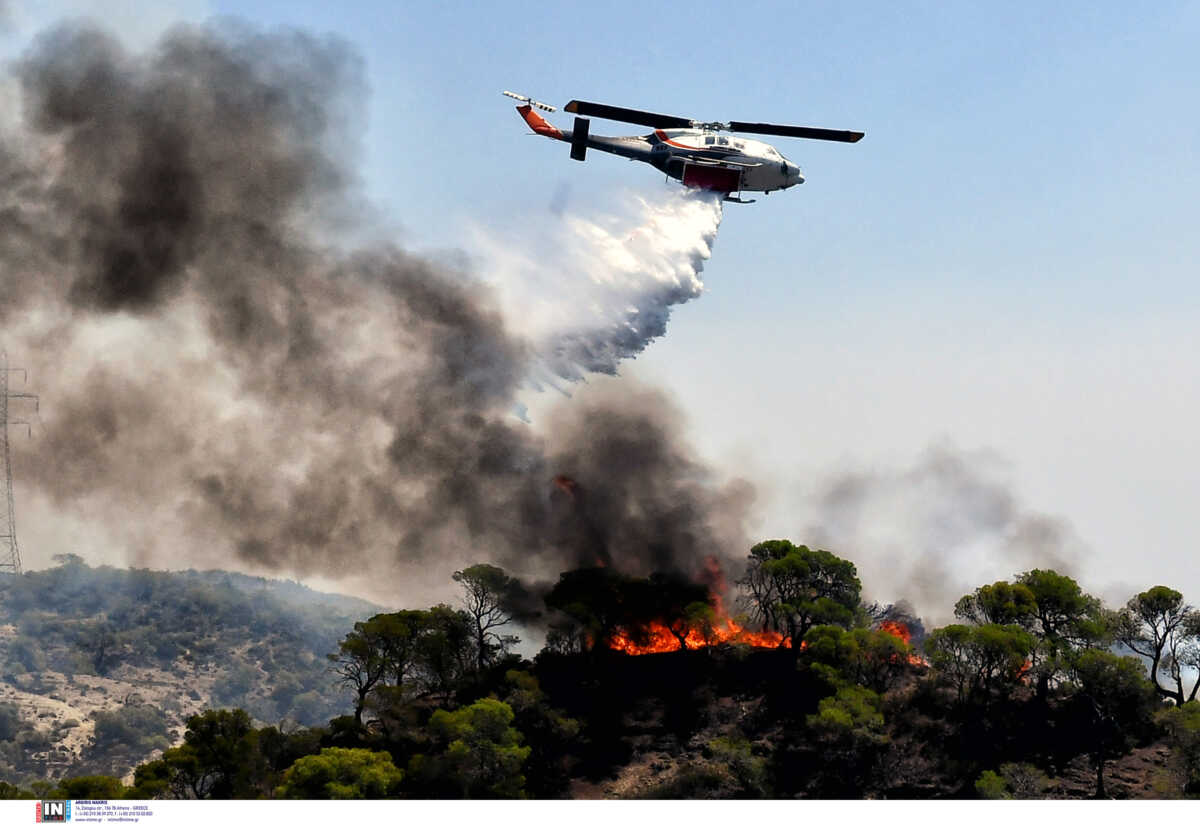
(10, 722)
(340, 773)
(140, 728)
(991, 786)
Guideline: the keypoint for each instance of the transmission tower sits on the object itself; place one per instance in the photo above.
(10, 553)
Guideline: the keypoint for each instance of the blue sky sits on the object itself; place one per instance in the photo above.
(1006, 263)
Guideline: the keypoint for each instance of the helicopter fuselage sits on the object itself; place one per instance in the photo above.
(700, 158)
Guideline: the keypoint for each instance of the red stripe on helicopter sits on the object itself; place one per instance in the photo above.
(661, 135)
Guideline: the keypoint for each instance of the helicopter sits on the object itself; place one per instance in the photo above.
(694, 152)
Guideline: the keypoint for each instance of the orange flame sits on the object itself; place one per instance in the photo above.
(903, 632)
(566, 484)
(659, 638)
(723, 630)
(898, 629)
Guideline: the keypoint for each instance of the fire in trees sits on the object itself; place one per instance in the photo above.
(638, 616)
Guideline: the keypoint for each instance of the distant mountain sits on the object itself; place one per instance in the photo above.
(101, 667)
(292, 593)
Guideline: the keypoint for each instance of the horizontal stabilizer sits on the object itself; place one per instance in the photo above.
(579, 137)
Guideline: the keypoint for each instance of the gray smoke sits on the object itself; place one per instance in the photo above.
(935, 531)
(222, 385)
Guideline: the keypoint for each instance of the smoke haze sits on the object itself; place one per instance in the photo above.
(936, 530)
(222, 386)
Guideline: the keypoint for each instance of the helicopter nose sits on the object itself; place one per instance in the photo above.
(794, 173)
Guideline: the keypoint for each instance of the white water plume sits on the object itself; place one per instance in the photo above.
(592, 290)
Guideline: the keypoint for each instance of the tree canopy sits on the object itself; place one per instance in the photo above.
(1116, 704)
(869, 658)
(396, 652)
(998, 603)
(218, 754)
(1063, 614)
(342, 773)
(489, 594)
(602, 602)
(1052, 607)
(978, 660)
(791, 589)
(478, 752)
(1160, 627)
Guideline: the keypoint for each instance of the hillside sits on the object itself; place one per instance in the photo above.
(102, 667)
(640, 692)
(727, 735)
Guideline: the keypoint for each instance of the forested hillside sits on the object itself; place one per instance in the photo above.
(784, 684)
(102, 667)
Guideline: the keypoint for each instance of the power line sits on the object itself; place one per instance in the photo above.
(10, 552)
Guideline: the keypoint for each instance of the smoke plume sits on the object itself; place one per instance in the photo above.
(937, 530)
(222, 385)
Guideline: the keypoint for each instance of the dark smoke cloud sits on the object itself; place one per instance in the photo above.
(938, 529)
(221, 385)
(638, 499)
(219, 140)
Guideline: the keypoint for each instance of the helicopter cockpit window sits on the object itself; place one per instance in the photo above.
(708, 141)
(723, 141)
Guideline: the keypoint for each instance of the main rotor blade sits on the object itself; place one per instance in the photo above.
(657, 121)
(796, 131)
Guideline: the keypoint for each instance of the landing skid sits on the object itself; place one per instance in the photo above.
(730, 199)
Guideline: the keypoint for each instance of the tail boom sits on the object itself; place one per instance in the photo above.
(538, 123)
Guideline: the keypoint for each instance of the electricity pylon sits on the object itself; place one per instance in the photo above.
(10, 552)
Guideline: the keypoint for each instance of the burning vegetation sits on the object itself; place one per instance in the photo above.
(700, 625)
(442, 709)
(904, 633)
(787, 591)
(708, 627)
(696, 626)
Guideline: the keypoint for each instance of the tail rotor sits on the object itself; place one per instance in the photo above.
(546, 107)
